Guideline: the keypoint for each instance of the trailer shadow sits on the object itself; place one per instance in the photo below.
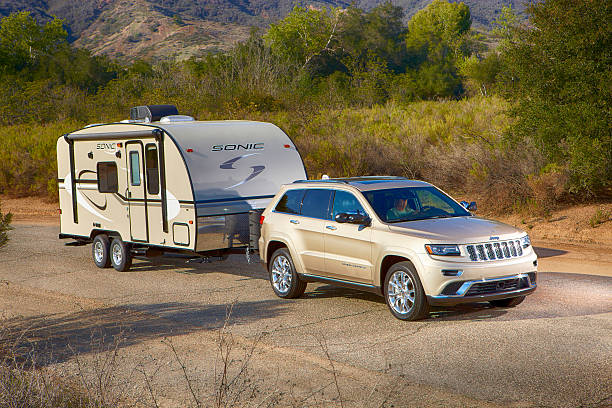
(235, 265)
(50, 339)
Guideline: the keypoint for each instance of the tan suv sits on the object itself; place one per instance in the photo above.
(403, 239)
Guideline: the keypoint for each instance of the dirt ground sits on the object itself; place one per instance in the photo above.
(160, 333)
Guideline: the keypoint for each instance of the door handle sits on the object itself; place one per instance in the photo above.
(331, 227)
(294, 221)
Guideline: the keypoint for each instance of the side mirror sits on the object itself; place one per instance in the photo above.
(469, 206)
(342, 218)
(359, 219)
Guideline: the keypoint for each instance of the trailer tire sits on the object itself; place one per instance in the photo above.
(100, 251)
(120, 255)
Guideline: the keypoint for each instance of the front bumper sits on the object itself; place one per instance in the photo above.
(483, 290)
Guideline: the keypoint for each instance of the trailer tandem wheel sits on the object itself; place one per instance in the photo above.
(121, 255)
(100, 251)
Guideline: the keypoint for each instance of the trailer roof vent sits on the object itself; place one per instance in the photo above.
(152, 113)
(176, 118)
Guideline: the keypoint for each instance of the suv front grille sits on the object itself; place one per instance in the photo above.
(491, 251)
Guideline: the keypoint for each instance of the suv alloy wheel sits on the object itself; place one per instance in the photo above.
(404, 293)
(284, 279)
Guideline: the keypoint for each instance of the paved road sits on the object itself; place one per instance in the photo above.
(333, 347)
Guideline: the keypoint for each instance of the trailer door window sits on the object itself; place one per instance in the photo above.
(107, 177)
(152, 169)
(135, 168)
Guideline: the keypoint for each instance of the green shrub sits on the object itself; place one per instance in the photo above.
(28, 164)
(5, 226)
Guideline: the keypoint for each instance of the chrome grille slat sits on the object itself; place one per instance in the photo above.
(472, 253)
(506, 250)
(481, 252)
(512, 248)
(498, 251)
(491, 251)
(519, 247)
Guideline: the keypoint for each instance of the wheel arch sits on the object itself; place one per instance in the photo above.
(388, 261)
(111, 234)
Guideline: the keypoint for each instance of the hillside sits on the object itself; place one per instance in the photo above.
(171, 29)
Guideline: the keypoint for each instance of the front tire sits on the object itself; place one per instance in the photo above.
(404, 292)
(121, 255)
(100, 250)
(284, 279)
(510, 302)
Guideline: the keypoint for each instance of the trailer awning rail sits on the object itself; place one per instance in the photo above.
(114, 135)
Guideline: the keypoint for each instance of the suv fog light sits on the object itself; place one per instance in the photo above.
(452, 272)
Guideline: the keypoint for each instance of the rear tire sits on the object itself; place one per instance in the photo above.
(285, 281)
(100, 251)
(404, 292)
(510, 302)
(120, 255)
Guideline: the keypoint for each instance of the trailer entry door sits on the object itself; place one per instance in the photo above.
(136, 191)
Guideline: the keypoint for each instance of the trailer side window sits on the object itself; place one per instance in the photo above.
(152, 169)
(135, 168)
(107, 177)
(291, 202)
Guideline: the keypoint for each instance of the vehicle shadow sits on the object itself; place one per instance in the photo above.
(467, 311)
(50, 339)
(548, 252)
(330, 291)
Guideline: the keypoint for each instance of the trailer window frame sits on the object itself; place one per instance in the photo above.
(152, 172)
(106, 184)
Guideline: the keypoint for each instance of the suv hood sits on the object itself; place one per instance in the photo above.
(457, 230)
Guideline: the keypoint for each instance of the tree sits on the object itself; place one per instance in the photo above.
(560, 64)
(23, 42)
(304, 34)
(379, 32)
(438, 37)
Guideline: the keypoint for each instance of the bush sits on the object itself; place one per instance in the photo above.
(5, 226)
(28, 164)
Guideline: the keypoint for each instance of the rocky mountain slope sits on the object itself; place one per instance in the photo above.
(170, 29)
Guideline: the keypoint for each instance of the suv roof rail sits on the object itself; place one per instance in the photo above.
(348, 180)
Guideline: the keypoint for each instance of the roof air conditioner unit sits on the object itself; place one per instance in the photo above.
(152, 113)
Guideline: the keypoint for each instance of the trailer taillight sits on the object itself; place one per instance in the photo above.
(189, 150)
(261, 220)
(287, 146)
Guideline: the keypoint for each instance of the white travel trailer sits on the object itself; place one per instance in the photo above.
(163, 182)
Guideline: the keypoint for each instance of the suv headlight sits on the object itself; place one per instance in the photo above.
(525, 241)
(443, 249)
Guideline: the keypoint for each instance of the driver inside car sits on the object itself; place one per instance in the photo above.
(399, 210)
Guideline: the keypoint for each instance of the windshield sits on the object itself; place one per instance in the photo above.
(413, 203)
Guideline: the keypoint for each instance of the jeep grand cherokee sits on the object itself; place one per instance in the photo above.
(403, 239)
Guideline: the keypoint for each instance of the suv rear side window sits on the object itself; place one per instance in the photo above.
(316, 203)
(290, 202)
